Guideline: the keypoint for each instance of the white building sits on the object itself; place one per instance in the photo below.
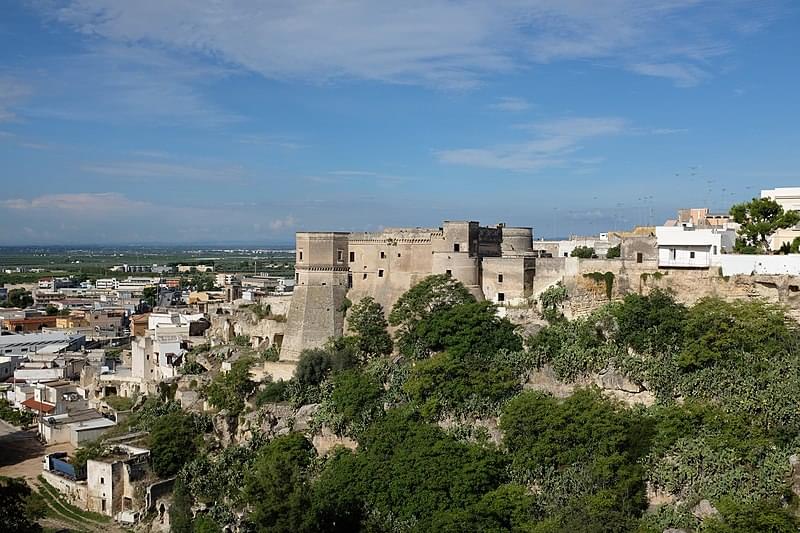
(106, 284)
(50, 342)
(689, 247)
(136, 285)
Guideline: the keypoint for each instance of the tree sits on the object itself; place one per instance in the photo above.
(356, 398)
(403, 473)
(584, 452)
(650, 324)
(172, 443)
(149, 295)
(461, 385)
(582, 252)
(20, 298)
(471, 327)
(759, 219)
(230, 390)
(180, 512)
(551, 300)
(432, 294)
(278, 489)
(316, 363)
(367, 320)
(613, 252)
(19, 507)
(51, 310)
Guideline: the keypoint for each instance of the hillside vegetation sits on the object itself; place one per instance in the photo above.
(451, 437)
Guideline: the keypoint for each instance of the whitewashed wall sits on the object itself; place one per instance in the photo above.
(760, 264)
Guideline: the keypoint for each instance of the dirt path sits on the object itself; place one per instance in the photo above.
(21, 454)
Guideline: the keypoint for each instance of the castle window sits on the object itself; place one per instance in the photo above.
(501, 297)
(340, 255)
(365, 276)
(297, 278)
(383, 255)
(499, 278)
(639, 257)
(352, 257)
(448, 272)
(691, 255)
(456, 247)
(380, 273)
(299, 255)
(398, 254)
(715, 249)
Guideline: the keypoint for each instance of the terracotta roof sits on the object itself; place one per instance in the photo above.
(38, 406)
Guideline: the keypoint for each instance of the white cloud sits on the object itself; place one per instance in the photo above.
(430, 42)
(511, 104)
(552, 145)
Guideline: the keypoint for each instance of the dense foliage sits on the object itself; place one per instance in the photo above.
(19, 507)
(424, 300)
(367, 321)
(230, 390)
(582, 252)
(448, 439)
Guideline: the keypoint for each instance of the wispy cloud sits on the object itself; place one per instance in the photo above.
(274, 141)
(430, 42)
(12, 92)
(551, 146)
(149, 169)
(113, 82)
(511, 104)
(86, 203)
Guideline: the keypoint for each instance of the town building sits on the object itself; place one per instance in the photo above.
(686, 246)
(50, 342)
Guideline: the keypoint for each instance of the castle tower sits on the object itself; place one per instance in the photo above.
(316, 312)
(456, 253)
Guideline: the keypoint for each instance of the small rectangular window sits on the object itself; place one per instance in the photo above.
(691, 255)
(448, 272)
(352, 257)
(674, 253)
(398, 254)
(499, 278)
(715, 249)
(639, 257)
(383, 255)
(501, 297)
(456, 247)
(297, 278)
(365, 276)
(339, 255)
(300, 255)
(380, 273)
(102, 481)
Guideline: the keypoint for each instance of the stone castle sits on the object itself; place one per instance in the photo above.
(495, 263)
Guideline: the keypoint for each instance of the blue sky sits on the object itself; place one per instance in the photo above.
(186, 121)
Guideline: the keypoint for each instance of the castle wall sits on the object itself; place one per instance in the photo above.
(385, 265)
(510, 276)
